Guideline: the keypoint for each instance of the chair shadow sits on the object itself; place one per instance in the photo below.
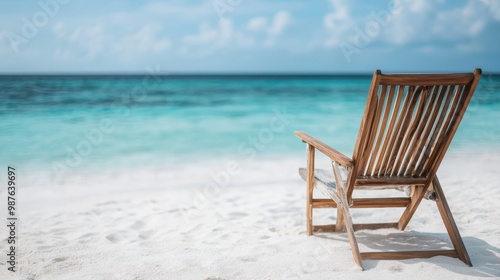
(482, 254)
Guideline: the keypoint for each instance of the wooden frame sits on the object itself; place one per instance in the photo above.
(406, 129)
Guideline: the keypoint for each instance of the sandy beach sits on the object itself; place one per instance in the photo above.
(248, 228)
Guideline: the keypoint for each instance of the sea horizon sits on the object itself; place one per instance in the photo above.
(256, 74)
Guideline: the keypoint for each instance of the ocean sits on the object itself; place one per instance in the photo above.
(55, 127)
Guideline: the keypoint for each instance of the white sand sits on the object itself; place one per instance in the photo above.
(252, 228)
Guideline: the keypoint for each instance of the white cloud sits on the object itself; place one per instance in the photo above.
(2, 40)
(144, 41)
(95, 40)
(257, 24)
(418, 22)
(216, 37)
(63, 54)
(338, 23)
(223, 35)
(420, 6)
(90, 40)
(209, 39)
(338, 17)
(180, 9)
(270, 29)
(494, 7)
(428, 21)
(459, 23)
(225, 29)
(281, 20)
(59, 29)
(470, 47)
(206, 34)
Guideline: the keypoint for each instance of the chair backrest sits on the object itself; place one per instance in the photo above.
(408, 124)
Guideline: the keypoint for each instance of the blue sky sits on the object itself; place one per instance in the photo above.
(249, 36)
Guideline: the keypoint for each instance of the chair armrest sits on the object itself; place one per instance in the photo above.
(325, 149)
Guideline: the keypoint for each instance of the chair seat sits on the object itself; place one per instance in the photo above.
(324, 179)
(321, 176)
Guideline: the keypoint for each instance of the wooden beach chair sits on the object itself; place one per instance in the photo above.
(407, 126)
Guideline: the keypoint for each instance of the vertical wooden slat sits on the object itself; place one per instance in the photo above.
(391, 152)
(430, 144)
(387, 104)
(369, 152)
(365, 154)
(439, 140)
(464, 102)
(413, 150)
(404, 126)
(395, 112)
(413, 129)
(361, 140)
(459, 108)
(455, 108)
(419, 156)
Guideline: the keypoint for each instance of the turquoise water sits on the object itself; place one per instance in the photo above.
(124, 122)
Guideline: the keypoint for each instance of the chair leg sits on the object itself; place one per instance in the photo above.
(416, 198)
(309, 188)
(339, 226)
(349, 228)
(344, 216)
(449, 223)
